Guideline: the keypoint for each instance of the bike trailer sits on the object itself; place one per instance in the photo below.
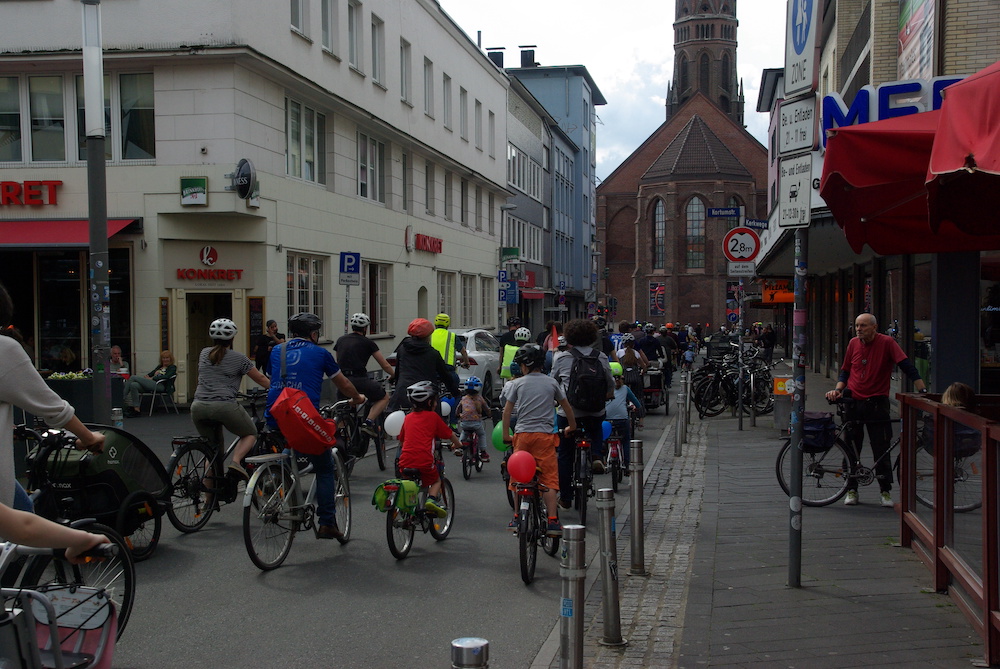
(819, 431)
(406, 495)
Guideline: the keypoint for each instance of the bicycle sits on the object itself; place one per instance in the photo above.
(58, 624)
(583, 474)
(532, 526)
(198, 485)
(615, 459)
(400, 524)
(275, 507)
(471, 456)
(349, 420)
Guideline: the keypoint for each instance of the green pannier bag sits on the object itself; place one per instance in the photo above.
(406, 497)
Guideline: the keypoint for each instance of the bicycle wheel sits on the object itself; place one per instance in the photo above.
(189, 508)
(527, 542)
(379, 444)
(116, 575)
(824, 474)
(710, 397)
(506, 479)
(268, 529)
(968, 488)
(140, 521)
(441, 527)
(549, 544)
(583, 479)
(399, 532)
(466, 463)
(343, 500)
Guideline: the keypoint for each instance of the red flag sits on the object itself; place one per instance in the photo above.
(553, 339)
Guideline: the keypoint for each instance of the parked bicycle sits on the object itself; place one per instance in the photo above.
(532, 525)
(198, 485)
(402, 523)
(715, 385)
(276, 504)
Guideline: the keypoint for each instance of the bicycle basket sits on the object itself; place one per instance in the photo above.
(406, 497)
(819, 432)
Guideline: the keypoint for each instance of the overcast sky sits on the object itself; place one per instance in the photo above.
(628, 48)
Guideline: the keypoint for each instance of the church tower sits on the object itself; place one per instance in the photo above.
(705, 56)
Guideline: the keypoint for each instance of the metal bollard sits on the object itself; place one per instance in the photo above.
(638, 524)
(470, 653)
(573, 571)
(682, 418)
(609, 569)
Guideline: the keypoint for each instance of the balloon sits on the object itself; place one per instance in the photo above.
(521, 467)
(394, 423)
(445, 409)
(606, 429)
(498, 438)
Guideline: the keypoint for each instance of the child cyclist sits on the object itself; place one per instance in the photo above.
(534, 396)
(421, 429)
(616, 410)
(472, 408)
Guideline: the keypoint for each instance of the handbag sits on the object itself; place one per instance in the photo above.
(305, 429)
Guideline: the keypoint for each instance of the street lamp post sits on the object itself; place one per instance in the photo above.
(99, 313)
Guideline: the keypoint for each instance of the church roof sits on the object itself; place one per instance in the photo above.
(696, 152)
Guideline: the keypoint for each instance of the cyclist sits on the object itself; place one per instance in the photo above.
(471, 410)
(513, 323)
(634, 365)
(452, 351)
(353, 352)
(616, 410)
(651, 346)
(306, 362)
(220, 372)
(422, 427)
(521, 337)
(416, 360)
(532, 397)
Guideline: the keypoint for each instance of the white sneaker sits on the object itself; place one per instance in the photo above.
(852, 498)
(886, 499)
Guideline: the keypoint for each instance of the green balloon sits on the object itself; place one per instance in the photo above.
(498, 438)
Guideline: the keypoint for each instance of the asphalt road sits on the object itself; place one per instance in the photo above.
(201, 603)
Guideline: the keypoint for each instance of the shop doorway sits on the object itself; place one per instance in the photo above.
(202, 309)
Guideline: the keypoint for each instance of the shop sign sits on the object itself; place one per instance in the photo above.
(209, 256)
(509, 253)
(28, 193)
(243, 179)
(194, 191)
(427, 243)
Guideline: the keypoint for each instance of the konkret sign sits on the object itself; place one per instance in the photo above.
(28, 193)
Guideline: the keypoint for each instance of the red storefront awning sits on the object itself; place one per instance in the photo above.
(64, 232)
(532, 294)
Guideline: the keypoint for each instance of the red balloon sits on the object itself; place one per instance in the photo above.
(521, 467)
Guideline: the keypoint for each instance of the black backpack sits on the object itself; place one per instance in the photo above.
(588, 382)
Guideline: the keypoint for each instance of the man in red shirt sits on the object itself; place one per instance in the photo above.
(866, 372)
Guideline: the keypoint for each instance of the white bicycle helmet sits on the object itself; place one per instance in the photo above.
(422, 393)
(222, 328)
(628, 337)
(522, 334)
(360, 320)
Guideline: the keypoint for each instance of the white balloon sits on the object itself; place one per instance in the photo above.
(445, 409)
(394, 423)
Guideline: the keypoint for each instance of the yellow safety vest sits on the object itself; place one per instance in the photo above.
(444, 342)
(508, 358)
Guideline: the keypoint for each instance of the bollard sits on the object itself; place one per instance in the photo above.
(682, 418)
(753, 410)
(609, 569)
(470, 653)
(638, 524)
(573, 571)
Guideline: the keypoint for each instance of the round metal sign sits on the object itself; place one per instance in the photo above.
(741, 245)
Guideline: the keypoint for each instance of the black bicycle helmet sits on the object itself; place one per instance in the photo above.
(422, 394)
(304, 324)
(530, 355)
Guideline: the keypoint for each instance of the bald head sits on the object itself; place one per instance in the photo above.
(866, 326)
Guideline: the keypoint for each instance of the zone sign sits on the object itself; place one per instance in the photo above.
(741, 244)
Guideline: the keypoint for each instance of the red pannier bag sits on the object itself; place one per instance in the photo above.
(301, 423)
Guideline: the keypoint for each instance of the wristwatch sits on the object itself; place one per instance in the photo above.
(922, 391)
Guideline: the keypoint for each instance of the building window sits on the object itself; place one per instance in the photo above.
(81, 120)
(463, 205)
(695, 224)
(328, 9)
(406, 181)
(685, 81)
(137, 117)
(428, 88)
(405, 72)
(463, 113)
(726, 73)
(48, 119)
(354, 35)
(492, 129)
(492, 221)
(375, 296)
(371, 168)
(733, 221)
(446, 292)
(659, 235)
(487, 300)
(10, 120)
(704, 74)
(524, 173)
(378, 50)
(448, 196)
(479, 208)
(298, 16)
(446, 101)
(479, 125)
(305, 284)
(469, 311)
(305, 146)
(429, 186)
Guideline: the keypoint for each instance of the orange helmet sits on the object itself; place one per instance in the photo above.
(420, 327)
(670, 325)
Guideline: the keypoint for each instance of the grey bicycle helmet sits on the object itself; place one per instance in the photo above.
(222, 328)
(522, 334)
(360, 321)
(422, 393)
(628, 338)
(304, 324)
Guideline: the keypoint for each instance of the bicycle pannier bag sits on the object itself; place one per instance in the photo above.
(819, 431)
(588, 384)
(407, 494)
(305, 430)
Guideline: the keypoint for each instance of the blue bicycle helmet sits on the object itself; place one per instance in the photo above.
(473, 383)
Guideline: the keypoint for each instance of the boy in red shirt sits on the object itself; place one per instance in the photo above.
(421, 428)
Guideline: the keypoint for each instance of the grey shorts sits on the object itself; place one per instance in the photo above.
(210, 417)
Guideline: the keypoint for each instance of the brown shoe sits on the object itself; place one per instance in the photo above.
(330, 532)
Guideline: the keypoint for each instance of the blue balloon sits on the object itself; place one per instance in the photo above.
(606, 429)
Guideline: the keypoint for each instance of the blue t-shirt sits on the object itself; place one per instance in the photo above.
(307, 364)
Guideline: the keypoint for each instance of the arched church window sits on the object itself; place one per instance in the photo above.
(659, 235)
(694, 218)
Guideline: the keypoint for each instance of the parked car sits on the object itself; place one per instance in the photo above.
(484, 360)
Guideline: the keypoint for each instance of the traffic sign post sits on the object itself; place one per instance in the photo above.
(741, 245)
